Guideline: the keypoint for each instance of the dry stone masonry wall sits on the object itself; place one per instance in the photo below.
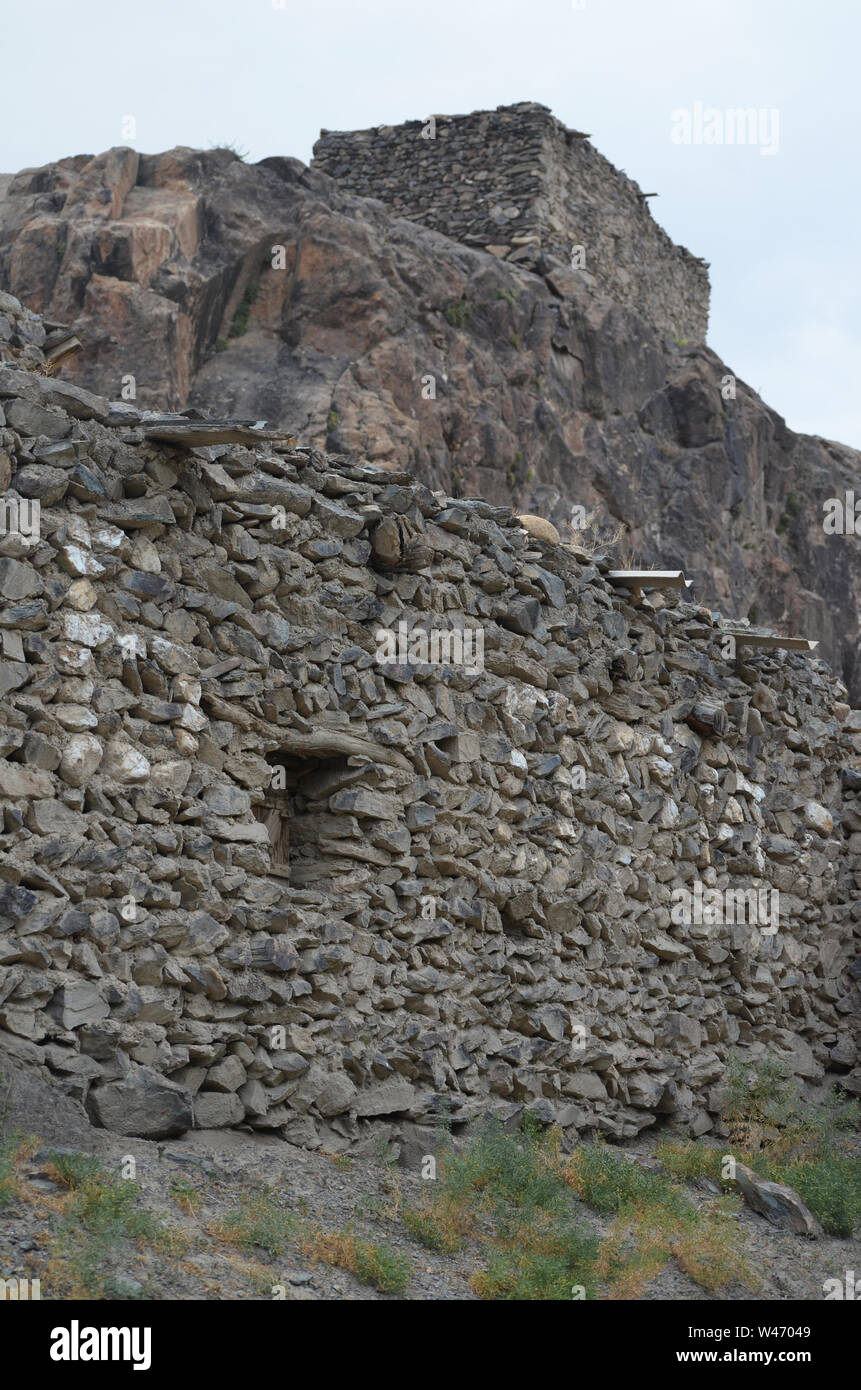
(519, 183)
(253, 872)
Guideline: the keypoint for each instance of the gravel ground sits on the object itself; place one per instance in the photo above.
(225, 1166)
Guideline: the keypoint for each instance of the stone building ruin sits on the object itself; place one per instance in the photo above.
(518, 183)
(249, 875)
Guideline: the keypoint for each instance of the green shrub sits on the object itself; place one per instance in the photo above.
(830, 1187)
(8, 1177)
(788, 1140)
(373, 1264)
(239, 325)
(513, 1182)
(690, 1160)
(381, 1267)
(610, 1182)
(459, 313)
(258, 1220)
(549, 1265)
(102, 1217)
(430, 1228)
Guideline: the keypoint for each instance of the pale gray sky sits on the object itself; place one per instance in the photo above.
(780, 229)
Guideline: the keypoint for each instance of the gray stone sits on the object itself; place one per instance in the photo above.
(18, 781)
(54, 818)
(42, 484)
(31, 419)
(388, 1098)
(18, 580)
(80, 1002)
(81, 757)
(336, 1097)
(13, 674)
(779, 1204)
(216, 1110)
(226, 1075)
(143, 1105)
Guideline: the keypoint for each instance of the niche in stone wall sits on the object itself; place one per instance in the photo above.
(309, 843)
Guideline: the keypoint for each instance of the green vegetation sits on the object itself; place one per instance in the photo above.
(514, 472)
(510, 1189)
(100, 1216)
(511, 1205)
(186, 1196)
(373, 1264)
(332, 421)
(519, 1197)
(656, 1221)
(788, 1140)
(231, 146)
(459, 313)
(9, 1148)
(784, 1139)
(239, 325)
(790, 511)
(258, 1220)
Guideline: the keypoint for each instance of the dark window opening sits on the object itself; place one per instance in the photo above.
(302, 830)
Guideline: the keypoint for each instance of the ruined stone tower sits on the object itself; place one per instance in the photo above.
(517, 182)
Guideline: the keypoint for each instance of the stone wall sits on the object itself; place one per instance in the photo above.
(518, 182)
(223, 814)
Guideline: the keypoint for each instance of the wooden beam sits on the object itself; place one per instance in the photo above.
(322, 743)
(60, 348)
(650, 579)
(768, 639)
(638, 580)
(193, 434)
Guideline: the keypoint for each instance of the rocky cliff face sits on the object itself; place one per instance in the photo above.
(270, 856)
(388, 342)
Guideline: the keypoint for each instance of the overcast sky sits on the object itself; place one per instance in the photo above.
(778, 219)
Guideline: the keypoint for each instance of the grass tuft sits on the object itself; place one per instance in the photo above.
(373, 1264)
(257, 1221)
(100, 1219)
(459, 313)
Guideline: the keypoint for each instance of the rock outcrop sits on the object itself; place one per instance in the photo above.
(267, 291)
(300, 837)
